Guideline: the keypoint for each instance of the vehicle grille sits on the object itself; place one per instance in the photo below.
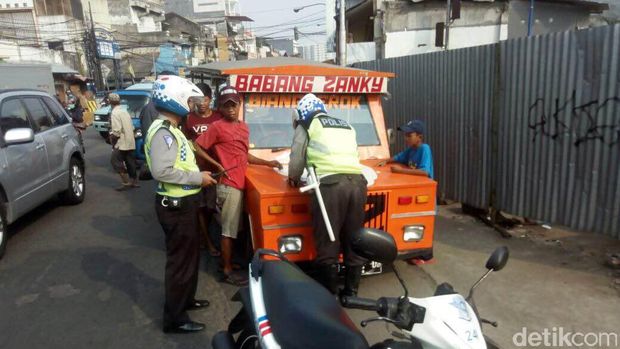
(376, 210)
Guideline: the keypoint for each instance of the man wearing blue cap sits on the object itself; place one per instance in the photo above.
(418, 157)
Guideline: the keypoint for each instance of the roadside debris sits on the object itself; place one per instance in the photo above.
(612, 260)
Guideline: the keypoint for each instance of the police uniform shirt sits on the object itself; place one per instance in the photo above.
(297, 161)
(164, 149)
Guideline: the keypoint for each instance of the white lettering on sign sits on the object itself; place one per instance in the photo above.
(307, 84)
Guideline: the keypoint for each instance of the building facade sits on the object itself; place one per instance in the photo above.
(391, 28)
(44, 31)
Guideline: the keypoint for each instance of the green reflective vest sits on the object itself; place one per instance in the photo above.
(185, 161)
(332, 146)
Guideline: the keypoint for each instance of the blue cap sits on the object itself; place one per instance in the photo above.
(416, 126)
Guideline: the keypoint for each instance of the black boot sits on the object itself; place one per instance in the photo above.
(351, 281)
(328, 277)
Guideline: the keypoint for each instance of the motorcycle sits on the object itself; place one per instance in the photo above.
(285, 308)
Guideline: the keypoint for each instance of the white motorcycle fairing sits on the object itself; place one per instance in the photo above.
(261, 322)
(449, 323)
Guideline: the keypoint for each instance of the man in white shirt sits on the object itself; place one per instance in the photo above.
(124, 143)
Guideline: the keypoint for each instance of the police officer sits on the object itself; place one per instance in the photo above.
(329, 145)
(171, 160)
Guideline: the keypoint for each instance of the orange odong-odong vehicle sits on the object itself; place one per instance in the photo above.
(279, 215)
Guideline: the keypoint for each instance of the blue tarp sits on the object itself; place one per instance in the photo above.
(171, 59)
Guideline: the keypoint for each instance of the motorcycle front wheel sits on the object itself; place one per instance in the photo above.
(247, 340)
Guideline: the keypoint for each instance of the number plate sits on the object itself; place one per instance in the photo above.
(372, 268)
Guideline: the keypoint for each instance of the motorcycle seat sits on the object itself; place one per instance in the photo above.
(303, 314)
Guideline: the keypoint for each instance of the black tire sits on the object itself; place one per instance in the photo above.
(223, 340)
(4, 233)
(248, 340)
(104, 134)
(76, 189)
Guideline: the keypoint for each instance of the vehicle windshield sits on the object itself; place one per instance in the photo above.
(134, 104)
(269, 117)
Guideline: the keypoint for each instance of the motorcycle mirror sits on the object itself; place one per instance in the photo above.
(498, 259)
(374, 245)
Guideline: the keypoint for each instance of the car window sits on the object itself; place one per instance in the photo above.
(13, 115)
(58, 114)
(134, 104)
(39, 113)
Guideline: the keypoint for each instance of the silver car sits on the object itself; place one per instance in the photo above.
(41, 155)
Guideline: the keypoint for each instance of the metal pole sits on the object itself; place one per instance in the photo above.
(530, 18)
(98, 76)
(448, 5)
(117, 74)
(342, 59)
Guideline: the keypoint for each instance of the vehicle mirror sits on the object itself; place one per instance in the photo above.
(375, 245)
(18, 136)
(498, 259)
(391, 136)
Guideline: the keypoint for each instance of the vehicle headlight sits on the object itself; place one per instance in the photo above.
(97, 118)
(138, 133)
(290, 244)
(413, 233)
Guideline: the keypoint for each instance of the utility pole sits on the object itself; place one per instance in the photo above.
(118, 75)
(93, 48)
(447, 28)
(342, 35)
(530, 18)
(453, 11)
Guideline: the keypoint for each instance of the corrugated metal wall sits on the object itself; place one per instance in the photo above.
(530, 126)
(452, 92)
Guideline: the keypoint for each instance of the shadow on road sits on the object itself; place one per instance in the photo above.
(144, 290)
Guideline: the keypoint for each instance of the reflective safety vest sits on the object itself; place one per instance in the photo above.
(185, 161)
(332, 146)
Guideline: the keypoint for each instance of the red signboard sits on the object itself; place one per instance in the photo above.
(307, 84)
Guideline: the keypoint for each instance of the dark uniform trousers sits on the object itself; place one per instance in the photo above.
(344, 197)
(182, 257)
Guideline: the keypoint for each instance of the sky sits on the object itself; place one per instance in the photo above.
(276, 18)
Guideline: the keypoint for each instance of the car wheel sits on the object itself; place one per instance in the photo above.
(104, 134)
(4, 234)
(77, 184)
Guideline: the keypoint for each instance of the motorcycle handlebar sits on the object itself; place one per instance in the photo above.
(361, 303)
(400, 311)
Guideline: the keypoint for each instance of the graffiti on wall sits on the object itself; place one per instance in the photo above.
(582, 122)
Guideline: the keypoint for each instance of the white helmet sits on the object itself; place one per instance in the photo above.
(308, 107)
(171, 93)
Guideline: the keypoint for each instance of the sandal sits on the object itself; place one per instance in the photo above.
(235, 279)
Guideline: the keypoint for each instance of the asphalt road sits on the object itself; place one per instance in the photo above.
(92, 275)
